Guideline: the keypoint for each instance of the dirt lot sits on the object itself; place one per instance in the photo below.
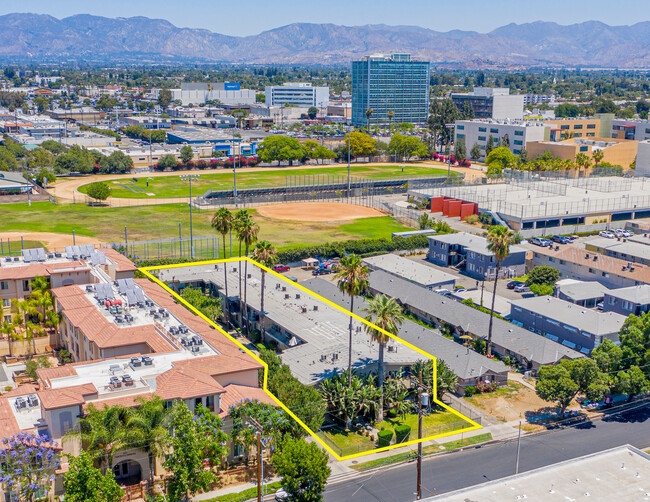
(513, 402)
(314, 211)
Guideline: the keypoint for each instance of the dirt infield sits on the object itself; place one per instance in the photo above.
(315, 211)
(51, 240)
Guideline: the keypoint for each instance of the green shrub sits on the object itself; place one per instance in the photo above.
(472, 219)
(384, 438)
(470, 391)
(402, 433)
(542, 289)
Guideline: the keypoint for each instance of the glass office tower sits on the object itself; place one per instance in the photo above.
(390, 83)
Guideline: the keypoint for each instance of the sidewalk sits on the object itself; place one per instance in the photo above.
(230, 489)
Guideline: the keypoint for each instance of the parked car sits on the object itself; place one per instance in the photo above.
(600, 306)
(538, 241)
(560, 239)
(607, 234)
(620, 232)
(281, 495)
(514, 284)
(444, 292)
(522, 288)
(281, 268)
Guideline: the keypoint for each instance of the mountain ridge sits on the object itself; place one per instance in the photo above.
(541, 43)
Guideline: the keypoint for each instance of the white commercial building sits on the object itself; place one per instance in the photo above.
(635, 129)
(494, 103)
(515, 132)
(643, 159)
(534, 99)
(227, 93)
(299, 94)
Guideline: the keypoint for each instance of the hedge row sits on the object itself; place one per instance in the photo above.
(384, 437)
(402, 433)
(356, 246)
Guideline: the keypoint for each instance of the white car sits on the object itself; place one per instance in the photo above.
(281, 495)
(607, 234)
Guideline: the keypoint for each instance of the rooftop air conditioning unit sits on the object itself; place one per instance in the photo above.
(284, 288)
(287, 296)
(315, 307)
(297, 296)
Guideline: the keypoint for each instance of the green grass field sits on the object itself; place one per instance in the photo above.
(14, 247)
(161, 222)
(172, 186)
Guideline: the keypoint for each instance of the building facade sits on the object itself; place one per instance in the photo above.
(634, 300)
(390, 83)
(618, 152)
(491, 103)
(298, 94)
(513, 133)
(638, 130)
(560, 129)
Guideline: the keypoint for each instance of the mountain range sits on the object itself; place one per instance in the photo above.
(40, 37)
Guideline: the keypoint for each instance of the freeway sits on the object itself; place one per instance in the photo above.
(470, 467)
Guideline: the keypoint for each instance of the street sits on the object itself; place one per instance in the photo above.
(458, 470)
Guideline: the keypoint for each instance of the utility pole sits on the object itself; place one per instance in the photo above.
(419, 485)
(190, 177)
(518, 445)
(349, 142)
(259, 466)
(450, 127)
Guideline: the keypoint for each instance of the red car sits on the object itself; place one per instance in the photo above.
(281, 268)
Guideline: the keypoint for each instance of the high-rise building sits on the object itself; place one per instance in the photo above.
(390, 83)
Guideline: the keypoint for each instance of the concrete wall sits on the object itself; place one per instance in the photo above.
(571, 229)
(643, 159)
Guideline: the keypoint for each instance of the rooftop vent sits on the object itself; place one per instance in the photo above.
(297, 296)
(315, 307)
(287, 296)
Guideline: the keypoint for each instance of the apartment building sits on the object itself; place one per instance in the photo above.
(622, 248)
(491, 103)
(638, 129)
(197, 93)
(576, 263)
(584, 293)
(561, 129)
(634, 300)
(513, 133)
(390, 83)
(618, 152)
(571, 325)
(535, 99)
(469, 251)
(418, 273)
(298, 94)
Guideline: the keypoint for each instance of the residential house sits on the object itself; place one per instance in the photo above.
(634, 300)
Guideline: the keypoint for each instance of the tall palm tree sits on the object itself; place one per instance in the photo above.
(222, 222)
(499, 240)
(368, 115)
(265, 254)
(385, 313)
(240, 216)
(247, 232)
(352, 280)
(582, 162)
(145, 427)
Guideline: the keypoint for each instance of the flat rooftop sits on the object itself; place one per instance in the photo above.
(313, 332)
(621, 473)
(549, 198)
(409, 270)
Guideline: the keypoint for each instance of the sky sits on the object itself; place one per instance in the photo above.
(249, 17)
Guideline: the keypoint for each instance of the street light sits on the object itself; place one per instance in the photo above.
(190, 178)
(450, 127)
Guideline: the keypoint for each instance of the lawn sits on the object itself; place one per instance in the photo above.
(16, 246)
(430, 421)
(427, 450)
(247, 494)
(172, 186)
(161, 221)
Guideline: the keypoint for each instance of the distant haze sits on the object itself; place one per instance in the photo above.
(36, 37)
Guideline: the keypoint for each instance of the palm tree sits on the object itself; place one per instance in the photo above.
(239, 217)
(247, 233)
(352, 281)
(390, 115)
(222, 223)
(264, 254)
(368, 115)
(145, 427)
(7, 328)
(499, 240)
(385, 313)
(597, 155)
(582, 162)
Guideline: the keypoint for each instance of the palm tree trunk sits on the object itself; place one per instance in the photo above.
(380, 371)
(350, 344)
(226, 313)
(262, 307)
(151, 470)
(245, 314)
(494, 295)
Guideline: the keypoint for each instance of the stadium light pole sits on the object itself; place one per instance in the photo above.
(190, 178)
(450, 127)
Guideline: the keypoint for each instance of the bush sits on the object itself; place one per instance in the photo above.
(542, 289)
(402, 433)
(384, 437)
(543, 275)
(486, 387)
(472, 219)
(98, 190)
(470, 391)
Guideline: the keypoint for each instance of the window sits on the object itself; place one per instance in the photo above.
(570, 328)
(591, 126)
(584, 148)
(7, 318)
(551, 321)
(612, 300)
(4, 285)
(460, 127)
(494, 130)
(591, 134)
(518, 142)
(6, 302)
(516, 152)
(482, 129)
(577, 126)
(459, 136)
(237, 450)
(481, 138)
(519, 133)
(25, 285)
(564, 127)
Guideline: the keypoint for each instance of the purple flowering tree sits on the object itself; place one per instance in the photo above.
(28, 463)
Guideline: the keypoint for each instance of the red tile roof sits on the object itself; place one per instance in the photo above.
(8, 423)
(236, 394)
(21, 390)
(66, 396)
(186, 382)
(126, 401)
(122, 262)
(36, 269)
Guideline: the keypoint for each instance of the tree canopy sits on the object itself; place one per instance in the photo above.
(303, 468)
(279, 148)
(83, 482)
(98, 190)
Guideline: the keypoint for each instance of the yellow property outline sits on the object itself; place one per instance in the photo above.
(474, 426)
